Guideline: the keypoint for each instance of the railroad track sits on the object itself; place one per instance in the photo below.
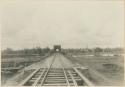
(50, 76)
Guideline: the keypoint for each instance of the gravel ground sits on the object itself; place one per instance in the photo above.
(59, 59)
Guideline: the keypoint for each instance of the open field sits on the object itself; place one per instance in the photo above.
(20, 61)
(112, 67)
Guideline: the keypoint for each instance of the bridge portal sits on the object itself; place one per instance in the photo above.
(57, 48)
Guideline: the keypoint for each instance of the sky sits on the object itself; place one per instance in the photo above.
(72, 24)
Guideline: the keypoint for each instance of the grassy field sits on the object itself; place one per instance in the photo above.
(111, 67)
(9, 62)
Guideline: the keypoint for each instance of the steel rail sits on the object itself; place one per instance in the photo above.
(38, 79)
(67, 81)
(83, 78)
(42, 82)
(42, 76)
(29, 77)
(74, 81)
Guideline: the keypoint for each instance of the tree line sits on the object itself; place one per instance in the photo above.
(94, 50)
(42, 51)
(26, 51)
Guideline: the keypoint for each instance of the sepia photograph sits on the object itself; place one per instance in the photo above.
(62, 42)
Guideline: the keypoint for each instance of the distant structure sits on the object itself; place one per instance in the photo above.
(57, 48)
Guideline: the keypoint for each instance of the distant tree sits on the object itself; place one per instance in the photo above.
(118, 49)
(26, 51)
(8, 51)
(107, 49)
(98, 49)
(39, 50)
(89, 50)
(46, 50)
